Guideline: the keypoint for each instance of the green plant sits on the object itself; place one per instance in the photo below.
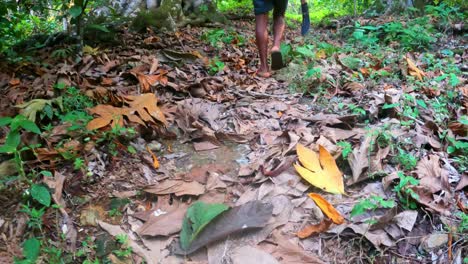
(31, 251)
(405, 193)
(13, 138)
(406, 160)
(215, 66)
(347, 148)
(370, 204)
(113, 137)
(217, 38)
(35, 216)
(124, 250)
(74, 100)
(63, 53)
(86, 251)
(463, 226)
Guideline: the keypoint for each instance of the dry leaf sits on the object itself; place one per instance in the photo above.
(431, 174)
(142, 109)
(155, 159)
(329, 178)
(252, 215)
(176, 187)
(314, 229)
(14, 82)
(327, 208)
(108, 115)
(413, 70)
(148, 80)
(146, 105)
(358, 160)
(164, 225)
(291, 253)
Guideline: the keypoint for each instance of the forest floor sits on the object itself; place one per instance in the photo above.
(115, 163)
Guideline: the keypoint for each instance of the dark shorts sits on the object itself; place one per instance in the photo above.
(265, 6)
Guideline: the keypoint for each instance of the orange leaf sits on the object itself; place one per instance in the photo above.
(107, 115)
(142, 110)
(155, 159)
(314, 229)
(146, 105)
(327, 208)
(14, 82)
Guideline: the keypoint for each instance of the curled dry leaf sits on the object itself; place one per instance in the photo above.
(413, 70)
(319, 170)
(327, 208)
(148, 80)
(314, 229)
(155, 159)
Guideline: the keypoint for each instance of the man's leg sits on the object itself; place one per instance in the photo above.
(261, 33)
(305, 18)
(278, 31)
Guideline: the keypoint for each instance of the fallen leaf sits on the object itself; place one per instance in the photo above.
(198, 216)
(358, 159)
(108, 115)
(176, 187)
(314, 229)
(249, 254)
(431, 174)
(413, 70)
(327, 208)
(406, 219)
(165, 224)
(148, 80)
(426, 197)
(329, 178)
(155, 159)
(292, 253)
(142, 110)
(14, 82)
(146, 105)
(31, 108)
(376, 237)
(250, 215)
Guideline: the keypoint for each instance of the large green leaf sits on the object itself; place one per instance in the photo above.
(31, 249)
(75, 11)
(4, 121)
(196, 218)
(30, 126)
(41, 194)
(13, 139)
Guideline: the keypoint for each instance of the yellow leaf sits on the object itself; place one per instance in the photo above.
(413, 70)
(327, 208)
(155, 159)
(320, 170)
(88, 50)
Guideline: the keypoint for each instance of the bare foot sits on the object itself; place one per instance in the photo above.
(263, 74)
(275, 48)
